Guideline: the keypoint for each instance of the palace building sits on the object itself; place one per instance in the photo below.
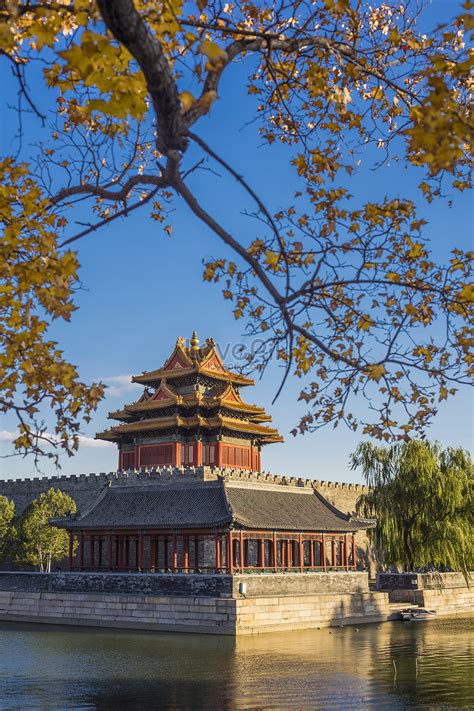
(191, 413)
(193, 498)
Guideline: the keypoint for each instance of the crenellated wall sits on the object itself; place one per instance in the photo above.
(85, 488)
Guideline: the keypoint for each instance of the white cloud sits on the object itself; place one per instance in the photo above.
(119, 384)
(89, 442)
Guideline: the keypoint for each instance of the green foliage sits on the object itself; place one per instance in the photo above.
(40, 543)
(422, 497)
(7, 527)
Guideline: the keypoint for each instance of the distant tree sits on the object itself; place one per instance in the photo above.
(422, 498)
(40, 543)
(345, 293)
(7, 527)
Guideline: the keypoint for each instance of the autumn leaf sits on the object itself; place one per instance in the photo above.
(375, 371)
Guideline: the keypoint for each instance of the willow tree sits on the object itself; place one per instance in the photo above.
(346, 294)
(422, 499)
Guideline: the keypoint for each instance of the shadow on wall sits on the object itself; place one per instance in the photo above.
(366, 560)
(362, 606)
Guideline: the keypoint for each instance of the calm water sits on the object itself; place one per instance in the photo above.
(59, 668)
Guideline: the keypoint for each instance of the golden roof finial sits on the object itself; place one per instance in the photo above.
(194, 342)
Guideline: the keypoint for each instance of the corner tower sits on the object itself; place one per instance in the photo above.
(191, 413)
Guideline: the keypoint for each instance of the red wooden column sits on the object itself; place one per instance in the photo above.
(333, 553)
(354, 561)
(261, 553)
(186, 553)
(289, 551)
(198, 453)
(174, 561)
(196, 551)
(274, 552)
(241, 551)
(165, 552)
(217, 539)
(346, 553)
(109, 551)
(153, 546)
(71, 549)
(91, 551)
(81, 551)
(230, 553)
(177, 454)
(121, 545)
(127, 552)
(218, 454)
(311, 553)
(323, 551)
(157, 552)
(140, 550)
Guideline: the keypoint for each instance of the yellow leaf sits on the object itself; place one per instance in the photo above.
(187, 100)
(375, 371)
(364, 324)
(467, 293)
(215, 54)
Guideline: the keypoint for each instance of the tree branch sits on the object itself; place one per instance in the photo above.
(193, 204)
(127, 26)
(115, 195)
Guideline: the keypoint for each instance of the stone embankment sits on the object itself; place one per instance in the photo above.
(447, 593)
(193, 603)
(222, 604)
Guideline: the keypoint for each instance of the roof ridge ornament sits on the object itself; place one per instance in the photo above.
(194, 342)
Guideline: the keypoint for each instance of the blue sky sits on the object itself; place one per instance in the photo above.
(143, 289)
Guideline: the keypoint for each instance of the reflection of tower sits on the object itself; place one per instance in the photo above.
(191, 413)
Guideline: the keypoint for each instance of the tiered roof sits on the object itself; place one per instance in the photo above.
(193, 390)
(193, 360)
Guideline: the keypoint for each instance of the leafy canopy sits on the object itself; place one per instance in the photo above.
(7, 527)
(422, 498)
(347, 295)
(36, 288)
(41, 543)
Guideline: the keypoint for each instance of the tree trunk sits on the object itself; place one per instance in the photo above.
(407, 550)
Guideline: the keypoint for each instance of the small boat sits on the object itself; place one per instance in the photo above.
(413, 614)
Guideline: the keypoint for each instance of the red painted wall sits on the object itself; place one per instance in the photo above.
(218, 454)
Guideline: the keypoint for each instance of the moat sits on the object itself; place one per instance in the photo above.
(388, 666)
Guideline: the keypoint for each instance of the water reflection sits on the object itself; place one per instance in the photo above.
(390, 666)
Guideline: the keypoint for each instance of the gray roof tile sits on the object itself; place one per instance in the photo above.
(149, 507)
(210, 505)
(258, 508)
